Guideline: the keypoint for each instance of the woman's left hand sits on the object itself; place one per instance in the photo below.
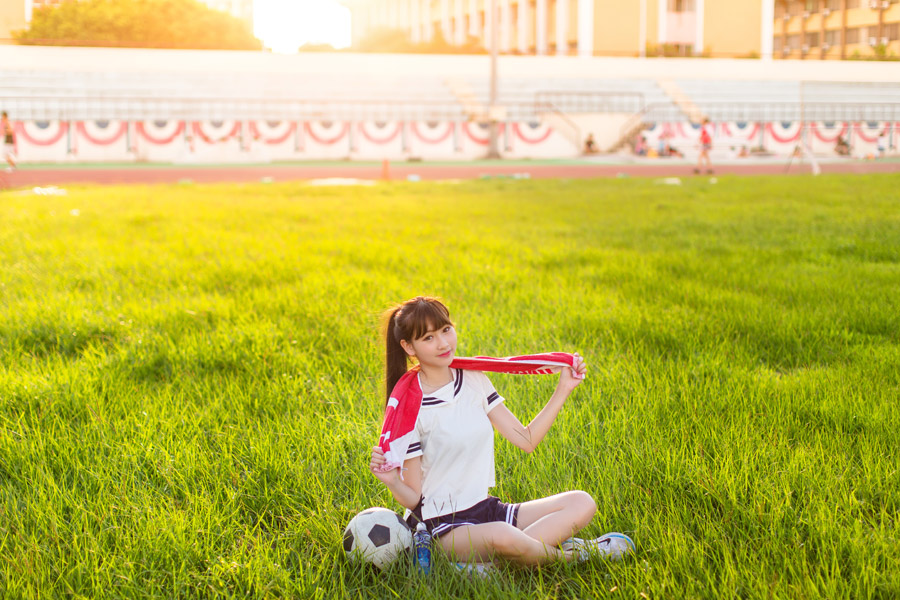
(571, 377)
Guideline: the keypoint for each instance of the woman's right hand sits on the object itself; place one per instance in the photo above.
(377, 462)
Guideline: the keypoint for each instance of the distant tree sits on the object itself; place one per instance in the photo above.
(137, 24)
(397, 40)
(310, 47)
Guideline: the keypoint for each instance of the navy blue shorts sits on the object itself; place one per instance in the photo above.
(489, 510)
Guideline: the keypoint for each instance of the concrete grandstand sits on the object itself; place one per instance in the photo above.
(97, 104)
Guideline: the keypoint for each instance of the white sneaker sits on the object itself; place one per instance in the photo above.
(611, 545)
(483, 570)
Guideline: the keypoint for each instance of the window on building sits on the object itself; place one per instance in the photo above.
(812, 39)
(793, 41)
(779, 10)
(833, 5)
(795, 8)
(679, 6)
(812, 6)
(852, 3)
(853, 35)
(892, 31)
(777, 44)
(833, 38)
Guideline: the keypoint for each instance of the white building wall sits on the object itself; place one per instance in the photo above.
(415, 15)
(700, 11)
(505, 26)
(767, 29)
(474, 21)
(427, 30)
(445, 20)
(523, 27)
(585, 27)
(562, 27)
(662, 9)
(541, 27)
(459, 22)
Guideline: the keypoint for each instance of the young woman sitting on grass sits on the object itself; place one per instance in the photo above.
(448, 467)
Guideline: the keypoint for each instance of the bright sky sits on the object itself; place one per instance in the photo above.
(285, 25)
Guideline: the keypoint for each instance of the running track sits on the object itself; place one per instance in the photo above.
(148, 174)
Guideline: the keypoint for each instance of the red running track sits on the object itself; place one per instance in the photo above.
(401, 171)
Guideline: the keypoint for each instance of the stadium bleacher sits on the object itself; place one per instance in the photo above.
(70, 85)
(790, 100)
(124, 94)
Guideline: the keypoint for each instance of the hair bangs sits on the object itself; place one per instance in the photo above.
(426, 315)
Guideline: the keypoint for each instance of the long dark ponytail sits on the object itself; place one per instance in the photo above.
(408, 321)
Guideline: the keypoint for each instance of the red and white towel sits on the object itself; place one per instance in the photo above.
(406, 397)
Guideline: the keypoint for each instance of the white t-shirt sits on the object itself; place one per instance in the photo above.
(455, 439)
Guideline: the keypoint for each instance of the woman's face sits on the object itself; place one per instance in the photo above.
(436, 347)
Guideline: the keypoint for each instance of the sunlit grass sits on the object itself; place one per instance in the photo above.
(189, 380)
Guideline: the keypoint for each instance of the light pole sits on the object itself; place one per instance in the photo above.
(493, 150)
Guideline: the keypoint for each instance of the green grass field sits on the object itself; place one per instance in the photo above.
(189, 381)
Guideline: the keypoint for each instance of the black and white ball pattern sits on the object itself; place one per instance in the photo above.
(378, 536)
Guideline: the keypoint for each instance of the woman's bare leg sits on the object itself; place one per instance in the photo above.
(555, 518)
(484, 542)
(542, 524)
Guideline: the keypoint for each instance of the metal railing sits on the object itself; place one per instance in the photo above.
(575, 102)
(131, 108)
(777, 111)
(46, 108)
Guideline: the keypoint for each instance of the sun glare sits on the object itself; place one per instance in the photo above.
(285, 25)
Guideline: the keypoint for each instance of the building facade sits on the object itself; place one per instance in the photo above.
(580, 27)
(794, 29)
(836, 29)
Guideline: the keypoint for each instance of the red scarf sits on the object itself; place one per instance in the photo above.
(406, 397)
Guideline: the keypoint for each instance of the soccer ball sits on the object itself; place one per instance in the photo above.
(378, 536)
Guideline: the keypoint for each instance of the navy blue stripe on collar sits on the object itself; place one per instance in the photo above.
(457, 386)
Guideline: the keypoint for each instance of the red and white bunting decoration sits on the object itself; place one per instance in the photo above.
(867, 133)
(42, 133)
(743, 130)
(432, 132)
(159, 133)
(784, 132)
(667, 130)
(327, 132)
(272, 132)
(829, 133)
(381, 133)
(480, 132)
(532, 132)
(102, 133)
(678, 130)
(216, 132)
